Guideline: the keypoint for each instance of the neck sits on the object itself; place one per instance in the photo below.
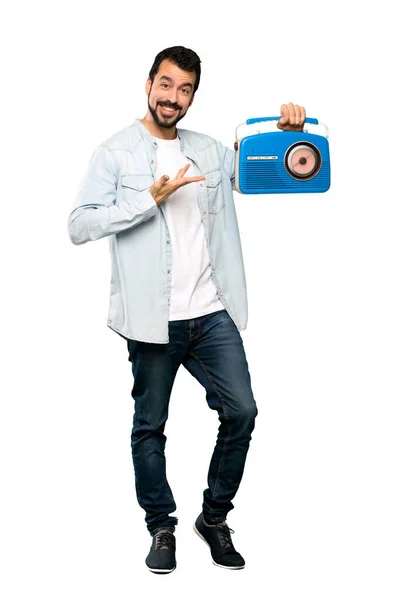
(160, 132)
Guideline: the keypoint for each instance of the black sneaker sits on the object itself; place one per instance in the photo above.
(161, 558)
(218, 537)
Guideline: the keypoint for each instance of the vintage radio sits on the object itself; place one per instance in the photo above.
(281, 162)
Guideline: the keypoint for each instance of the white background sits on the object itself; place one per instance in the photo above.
(316, 515)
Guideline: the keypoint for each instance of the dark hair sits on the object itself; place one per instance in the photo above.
(184, 58)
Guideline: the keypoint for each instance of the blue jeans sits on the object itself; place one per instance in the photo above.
(211, 349)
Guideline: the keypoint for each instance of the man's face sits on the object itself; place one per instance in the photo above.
(172, 88)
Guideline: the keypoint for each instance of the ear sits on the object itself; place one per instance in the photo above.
(148, 86)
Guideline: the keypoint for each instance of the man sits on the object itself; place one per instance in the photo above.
(178, 291)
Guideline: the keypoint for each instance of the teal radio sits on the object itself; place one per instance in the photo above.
(281, 162)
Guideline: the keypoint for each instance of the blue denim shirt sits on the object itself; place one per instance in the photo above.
(113, 200)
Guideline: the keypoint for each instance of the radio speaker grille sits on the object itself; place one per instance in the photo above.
(270, 175)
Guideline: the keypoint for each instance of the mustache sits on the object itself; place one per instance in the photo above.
(169, 105)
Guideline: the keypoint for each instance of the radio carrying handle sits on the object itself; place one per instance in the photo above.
(250, 121)
(309, 120)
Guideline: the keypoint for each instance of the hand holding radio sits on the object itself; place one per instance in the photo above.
(293, 117)
(164, 187)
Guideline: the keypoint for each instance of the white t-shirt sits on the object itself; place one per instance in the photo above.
(193, 292)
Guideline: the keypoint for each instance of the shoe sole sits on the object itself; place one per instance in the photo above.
(215, 563)
(161, 571)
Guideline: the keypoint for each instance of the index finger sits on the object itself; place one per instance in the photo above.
(192, 179)
(284, 114)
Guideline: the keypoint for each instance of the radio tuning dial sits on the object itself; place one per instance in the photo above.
(303, 161)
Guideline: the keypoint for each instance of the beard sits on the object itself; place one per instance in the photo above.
(164, 121)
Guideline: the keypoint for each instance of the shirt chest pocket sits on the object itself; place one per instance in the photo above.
(129, 185)
(214, 191)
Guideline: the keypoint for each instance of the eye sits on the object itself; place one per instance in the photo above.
(185, 90)
(164, 84)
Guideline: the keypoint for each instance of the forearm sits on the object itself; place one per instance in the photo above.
(90, 223)
(108, 202)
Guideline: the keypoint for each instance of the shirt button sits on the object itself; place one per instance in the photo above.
(167, 241)
(169, 271)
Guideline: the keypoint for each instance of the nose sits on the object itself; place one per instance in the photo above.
(172, 96)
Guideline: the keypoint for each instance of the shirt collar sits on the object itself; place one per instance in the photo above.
(152, 140)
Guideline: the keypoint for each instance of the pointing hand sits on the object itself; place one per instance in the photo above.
(164, 187)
